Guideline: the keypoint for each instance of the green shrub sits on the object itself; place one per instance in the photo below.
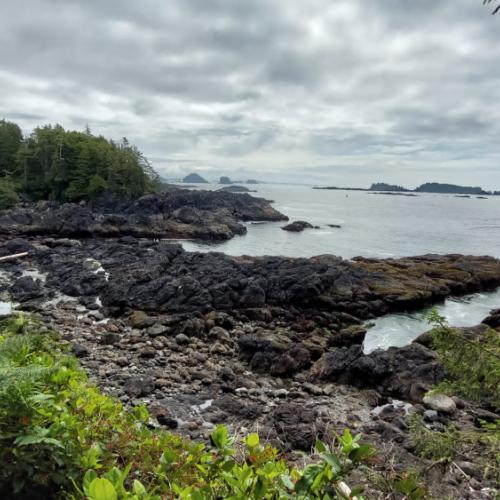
(472, 365)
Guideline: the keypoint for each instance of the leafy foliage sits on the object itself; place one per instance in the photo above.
(472, 364)
(60, 435)
(62, 165)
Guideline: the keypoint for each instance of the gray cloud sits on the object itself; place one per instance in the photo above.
(344, 91)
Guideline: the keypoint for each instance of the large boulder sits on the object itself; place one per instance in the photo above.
(440, 402)
(296, 427)
(297, 226)
(26, 288)
(406, 373)
(493, 320)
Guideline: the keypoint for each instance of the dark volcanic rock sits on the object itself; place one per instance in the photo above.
(295, 359)
(15, 246)
(405, 373)
(163, 415)
(493, 320)
(81, 351)
(237, 189)
(26, 288)
(297, 226)
(233, 406)
(139, 386)
(162, 277)
(296, 426)
(174, 214)
(353, 334)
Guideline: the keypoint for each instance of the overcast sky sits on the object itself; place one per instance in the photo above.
(323, 91)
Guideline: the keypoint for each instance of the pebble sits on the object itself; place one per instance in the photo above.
(467, 467)
(313, 389)
(182, 339)
(80, 351)
(430, 415)
(280, 393)
(110, 338)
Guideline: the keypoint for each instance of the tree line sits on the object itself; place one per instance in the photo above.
(62, 165)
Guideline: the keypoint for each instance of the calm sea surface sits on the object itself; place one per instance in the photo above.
(372, 225)
(379, 226)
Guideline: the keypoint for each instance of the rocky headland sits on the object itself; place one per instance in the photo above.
(176, 213)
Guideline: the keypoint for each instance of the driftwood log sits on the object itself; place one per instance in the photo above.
(13, 256)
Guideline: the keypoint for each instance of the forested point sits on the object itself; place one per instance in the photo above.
(69, 166)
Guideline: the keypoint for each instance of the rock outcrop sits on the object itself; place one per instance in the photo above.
(207, 215)
(140, 274)
(237, 189)
(297, 226)
(194, 179)
(404, 373)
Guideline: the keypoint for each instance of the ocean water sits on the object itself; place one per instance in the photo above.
(379, 226)
(372, 225)
(400, 329)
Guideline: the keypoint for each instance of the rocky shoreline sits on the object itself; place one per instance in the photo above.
(272, 344)
(175, 213)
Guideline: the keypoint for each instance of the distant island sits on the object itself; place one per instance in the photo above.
(194, 179)
(434, 187)
(228, 181)
(382, 186)
(428, 187)
(237, 189)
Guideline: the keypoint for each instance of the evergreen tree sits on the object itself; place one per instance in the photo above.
(53, 163)
(10, 142)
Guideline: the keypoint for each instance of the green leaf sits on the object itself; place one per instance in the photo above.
(168, 457)
(90, 475)
(357, 490)
(139, 488)
(320, 447)
(334, 461)
(36, 439)
(287, 481)
(220, 437)
(244, 474)
(363, 452)
(102, 489)
(252, 440)
(228, 465)
(260, 489)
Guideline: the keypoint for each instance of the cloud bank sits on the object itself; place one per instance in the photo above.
(344, 92)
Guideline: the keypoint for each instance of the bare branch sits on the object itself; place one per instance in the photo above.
(497, 9)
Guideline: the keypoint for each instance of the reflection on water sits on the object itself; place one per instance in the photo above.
(401, 329)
